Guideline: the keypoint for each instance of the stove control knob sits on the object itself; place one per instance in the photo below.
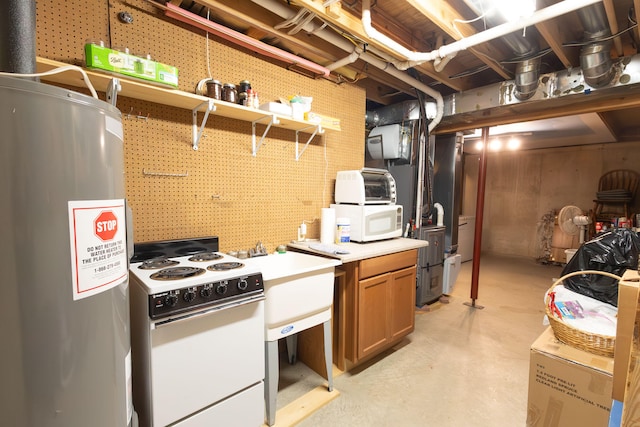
(171, 300)
(189, 296)
(242, 284)
(205, 292)
(221, 288)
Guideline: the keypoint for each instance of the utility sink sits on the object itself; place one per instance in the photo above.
(298, 289)
(298, 295)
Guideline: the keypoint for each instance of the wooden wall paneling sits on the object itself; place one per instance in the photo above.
(228, 192)
(63, 39)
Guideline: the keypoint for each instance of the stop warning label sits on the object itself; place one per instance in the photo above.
(97, 232)
(105, 225)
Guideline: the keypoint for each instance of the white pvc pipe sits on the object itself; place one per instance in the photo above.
(286, 13)
(385, 66)
(541, 15)
(440, 210)
(350, 59)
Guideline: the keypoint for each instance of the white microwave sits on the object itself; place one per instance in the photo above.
(371, 222)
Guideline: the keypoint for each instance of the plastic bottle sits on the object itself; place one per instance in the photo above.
(343, 230)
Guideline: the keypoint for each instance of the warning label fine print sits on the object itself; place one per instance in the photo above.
(98, 241)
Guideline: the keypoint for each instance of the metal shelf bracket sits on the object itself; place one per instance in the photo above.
(197, 133)
(318, 131)
(113, 87)
(273, 120)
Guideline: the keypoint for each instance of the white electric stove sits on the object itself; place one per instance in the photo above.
(197, 329)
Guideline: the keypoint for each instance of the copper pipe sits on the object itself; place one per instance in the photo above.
(240, 39)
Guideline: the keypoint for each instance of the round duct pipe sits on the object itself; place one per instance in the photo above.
(527, 73)
(596, 64)
(595, 58)
(371, 119)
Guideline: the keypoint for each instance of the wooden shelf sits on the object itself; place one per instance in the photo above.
(176, 98)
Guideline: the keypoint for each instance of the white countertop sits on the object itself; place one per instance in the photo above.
(359, 251)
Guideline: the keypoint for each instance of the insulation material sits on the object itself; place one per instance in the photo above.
(221, 189)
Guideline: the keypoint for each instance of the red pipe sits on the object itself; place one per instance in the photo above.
(477, 238)
(182, 15)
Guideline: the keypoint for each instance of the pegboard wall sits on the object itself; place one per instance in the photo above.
(220, 189)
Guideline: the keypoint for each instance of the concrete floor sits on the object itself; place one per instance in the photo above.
(461, 366)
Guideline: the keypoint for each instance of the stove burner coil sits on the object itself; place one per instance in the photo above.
(158, 262)
(225, 266)
(176, 273)
(205, 256)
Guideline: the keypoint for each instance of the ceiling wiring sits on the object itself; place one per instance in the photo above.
(603, 39)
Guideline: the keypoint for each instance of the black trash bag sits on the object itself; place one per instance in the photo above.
(614, 252)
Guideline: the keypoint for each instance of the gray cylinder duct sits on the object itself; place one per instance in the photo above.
(527, 74)
(595, 58)
(528, 70)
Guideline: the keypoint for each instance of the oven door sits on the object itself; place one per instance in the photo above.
(203, 363)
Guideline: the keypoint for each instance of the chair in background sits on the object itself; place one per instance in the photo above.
(615, 188)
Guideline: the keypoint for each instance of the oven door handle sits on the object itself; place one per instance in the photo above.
(174, 320)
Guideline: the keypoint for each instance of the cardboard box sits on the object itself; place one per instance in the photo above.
(567, 386)
(628, 294)
(321, 119)
(626, 372)
(113, 61)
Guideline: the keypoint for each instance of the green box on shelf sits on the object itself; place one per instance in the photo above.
(103, 58)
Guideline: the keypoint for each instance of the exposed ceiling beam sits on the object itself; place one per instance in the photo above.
(609, 123)
(246, 14)
(619, 98)
(379, 93)
(613, 25)
(451, 22)
(554, 34)
(353, 25)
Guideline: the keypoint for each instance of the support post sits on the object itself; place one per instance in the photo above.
(477, 240)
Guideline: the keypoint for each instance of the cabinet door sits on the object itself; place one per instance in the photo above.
(373, 312)
(402, 288)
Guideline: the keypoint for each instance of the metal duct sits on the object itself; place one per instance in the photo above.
(557, 89)
(595, 58)
(18, 36)
(528, 70)
(527, 74)
(399, 113)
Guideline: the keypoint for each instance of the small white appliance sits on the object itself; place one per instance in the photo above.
(367, 197)
(371, 222)
(367, 186)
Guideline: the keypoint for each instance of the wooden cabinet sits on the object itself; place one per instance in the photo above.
(385, 310)
(380, 302)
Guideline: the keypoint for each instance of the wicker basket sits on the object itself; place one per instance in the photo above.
(602, 345)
